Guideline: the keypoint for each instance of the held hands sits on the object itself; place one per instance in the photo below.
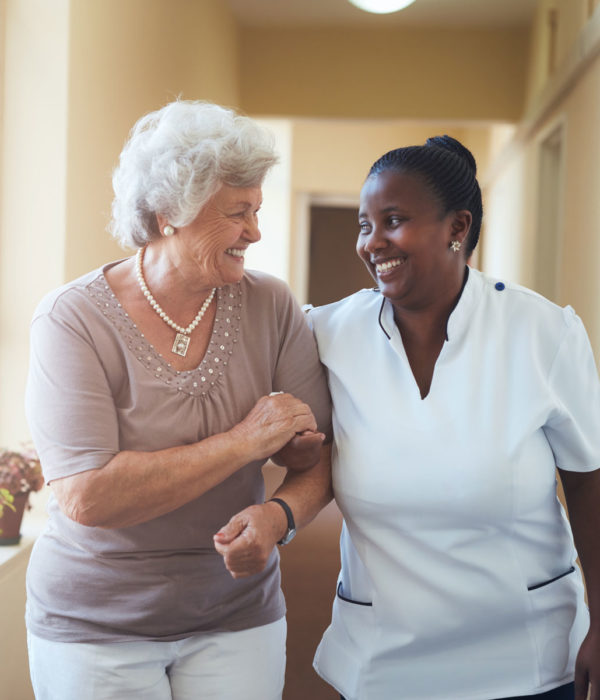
(279, 426)
(274, 422)
(247, 540)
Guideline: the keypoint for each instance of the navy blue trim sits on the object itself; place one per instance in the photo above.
(552, 580)
(349, 600)
(464, 284)
(389, 337)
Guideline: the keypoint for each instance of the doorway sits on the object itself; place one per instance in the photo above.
(335, 270)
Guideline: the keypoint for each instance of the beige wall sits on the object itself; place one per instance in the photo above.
(571, 16)
(367, 73)
(2, 61)
(579, 272)
(570, 99)
(538, 65)
(32, 218)
(333, 156)
(128, 57)
(505, 250)
(77, 75)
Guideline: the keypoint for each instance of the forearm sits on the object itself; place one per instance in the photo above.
(582, 493)
(247, 540)
(307, 493)
(138, 486)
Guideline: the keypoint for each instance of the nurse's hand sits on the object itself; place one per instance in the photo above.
(302, 452)
(587, 668)
(248, 539)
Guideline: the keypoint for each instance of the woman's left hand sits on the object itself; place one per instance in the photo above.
(248, 539)
(587, 668)
(302, 452)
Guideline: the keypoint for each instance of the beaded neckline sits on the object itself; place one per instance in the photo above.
(195, 382)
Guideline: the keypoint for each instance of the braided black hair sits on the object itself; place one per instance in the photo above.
(449, 169)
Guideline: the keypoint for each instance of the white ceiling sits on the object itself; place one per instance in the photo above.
(450, 13)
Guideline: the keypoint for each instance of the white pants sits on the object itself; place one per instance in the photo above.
(246, 665)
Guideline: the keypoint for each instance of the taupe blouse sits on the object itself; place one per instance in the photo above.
(97, 387)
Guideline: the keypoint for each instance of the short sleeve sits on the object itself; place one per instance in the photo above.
(573, 428)
(299, 370)
(68, 402)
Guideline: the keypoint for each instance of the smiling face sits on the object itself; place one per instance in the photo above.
(213, 245)
(404, 240)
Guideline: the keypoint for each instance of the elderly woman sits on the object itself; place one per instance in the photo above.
(155, 395)
(455, 398)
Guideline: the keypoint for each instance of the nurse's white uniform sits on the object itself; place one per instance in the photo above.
(453, 534)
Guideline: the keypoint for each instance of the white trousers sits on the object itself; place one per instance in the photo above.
(246, 665)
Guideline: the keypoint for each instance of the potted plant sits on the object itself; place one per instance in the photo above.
(6, 499)
(20, 473)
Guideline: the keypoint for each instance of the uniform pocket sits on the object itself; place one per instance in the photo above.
(346, 647)
(551, 580)
(340, 594)
(558, 623)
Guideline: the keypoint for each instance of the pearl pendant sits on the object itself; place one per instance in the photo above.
(181, 344)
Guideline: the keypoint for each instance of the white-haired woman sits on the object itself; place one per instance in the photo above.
(158, 387)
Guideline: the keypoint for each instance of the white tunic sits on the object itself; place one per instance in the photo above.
(451, 516)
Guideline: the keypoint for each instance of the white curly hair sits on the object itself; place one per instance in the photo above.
(176, 158)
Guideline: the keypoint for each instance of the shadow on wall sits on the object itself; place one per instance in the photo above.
(309, 569)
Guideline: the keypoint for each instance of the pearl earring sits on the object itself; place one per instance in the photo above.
(168, 230)
(455, 245)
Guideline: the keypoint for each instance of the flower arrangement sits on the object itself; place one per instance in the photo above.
(20, 472)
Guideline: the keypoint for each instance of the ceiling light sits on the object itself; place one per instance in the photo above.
(382, 7)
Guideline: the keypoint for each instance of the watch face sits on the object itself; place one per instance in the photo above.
(288, 537)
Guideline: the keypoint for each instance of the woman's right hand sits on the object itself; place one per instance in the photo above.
(272, 423)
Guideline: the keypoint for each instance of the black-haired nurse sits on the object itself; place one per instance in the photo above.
(456, 397)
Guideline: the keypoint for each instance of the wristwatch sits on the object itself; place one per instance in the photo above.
(291, 525)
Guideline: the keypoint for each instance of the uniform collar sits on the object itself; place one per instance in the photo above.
(459, 318)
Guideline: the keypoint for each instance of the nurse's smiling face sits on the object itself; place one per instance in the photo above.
(405, 239)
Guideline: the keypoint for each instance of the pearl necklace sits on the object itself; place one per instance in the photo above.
(182, 338)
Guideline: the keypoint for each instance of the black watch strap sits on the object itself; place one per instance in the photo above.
(291, 528)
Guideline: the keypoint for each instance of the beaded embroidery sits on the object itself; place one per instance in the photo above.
(195, 382)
